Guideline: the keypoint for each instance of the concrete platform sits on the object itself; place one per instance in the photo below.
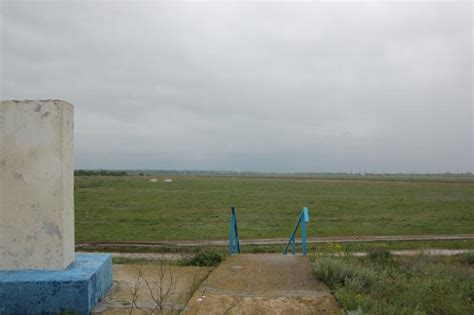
(263, 284)
(76, 289)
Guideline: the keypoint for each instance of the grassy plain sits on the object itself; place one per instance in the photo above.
(197, 207)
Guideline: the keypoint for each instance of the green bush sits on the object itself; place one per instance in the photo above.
(352, 303)
(380, 255)
(340, 272)
(405, 285)
(468, 258)
(209, 258)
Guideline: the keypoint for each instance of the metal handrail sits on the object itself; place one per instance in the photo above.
(302, 220)
(234, 243)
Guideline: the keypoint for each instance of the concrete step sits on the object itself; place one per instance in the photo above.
(262, 284)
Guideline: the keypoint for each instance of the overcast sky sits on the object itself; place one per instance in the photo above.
(380, 87)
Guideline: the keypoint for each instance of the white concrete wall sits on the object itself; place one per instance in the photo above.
(36, 185)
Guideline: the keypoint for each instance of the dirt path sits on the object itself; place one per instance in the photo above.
(178, 282)
(262, 284)
(170, 256)
(430, 252)
(273, 241)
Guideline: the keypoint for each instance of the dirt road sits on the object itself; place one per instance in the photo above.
(275, 241)
(171, 256)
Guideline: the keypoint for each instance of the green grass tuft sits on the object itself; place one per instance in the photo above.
(468, 258)
(205, 258)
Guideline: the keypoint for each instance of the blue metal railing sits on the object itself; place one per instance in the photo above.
(302, 220)
(234, 244)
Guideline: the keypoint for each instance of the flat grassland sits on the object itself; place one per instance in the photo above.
(197, 207)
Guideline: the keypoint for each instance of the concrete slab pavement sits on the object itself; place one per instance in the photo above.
(263, 284)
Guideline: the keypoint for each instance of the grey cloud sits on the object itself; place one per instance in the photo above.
(251, 86)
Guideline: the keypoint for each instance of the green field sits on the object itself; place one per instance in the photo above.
(197, 207)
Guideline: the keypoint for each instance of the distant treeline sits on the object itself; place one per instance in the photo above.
(296, 174)
(99, 173)
(342, 175)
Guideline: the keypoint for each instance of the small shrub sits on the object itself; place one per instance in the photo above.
(380, 255)
(209, 258)
(411, 285)
(338, 272)
(468, 258)
(354, 304)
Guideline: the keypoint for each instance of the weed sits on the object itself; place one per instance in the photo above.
(209, 258)
(380, 256)
(468, 258)
(382, 284)
(338, 272)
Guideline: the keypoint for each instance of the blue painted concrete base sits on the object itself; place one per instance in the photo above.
(77, 289)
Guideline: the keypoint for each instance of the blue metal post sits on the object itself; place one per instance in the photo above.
(293, 246)
(234, 242)
(302, 219)
(237, 241)
(303, 236)
(231, 236)
(292, 237)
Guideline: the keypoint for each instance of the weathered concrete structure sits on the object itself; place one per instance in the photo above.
(36, 185)
(39, 273)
